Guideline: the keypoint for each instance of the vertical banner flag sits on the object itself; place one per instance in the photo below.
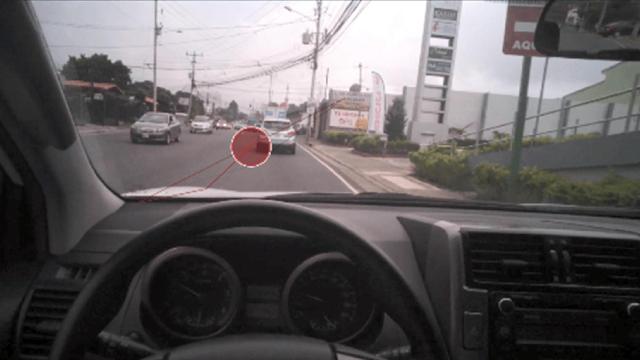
(377, 105)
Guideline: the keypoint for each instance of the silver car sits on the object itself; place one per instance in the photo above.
(156, 126)
(201, 124)
(282, 134)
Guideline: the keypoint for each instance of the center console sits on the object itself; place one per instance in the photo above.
(554, 297)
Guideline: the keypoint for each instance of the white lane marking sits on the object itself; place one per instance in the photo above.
(402, 182)
(351, 188)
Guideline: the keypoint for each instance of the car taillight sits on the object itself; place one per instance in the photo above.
(291, 132)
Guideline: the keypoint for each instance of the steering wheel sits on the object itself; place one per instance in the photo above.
(101, 298)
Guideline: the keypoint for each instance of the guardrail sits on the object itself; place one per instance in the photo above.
(561, 130)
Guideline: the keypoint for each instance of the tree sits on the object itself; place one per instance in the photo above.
(141, 89)
(97, 68)
(232, 110)
(395, 120)
(355, 88)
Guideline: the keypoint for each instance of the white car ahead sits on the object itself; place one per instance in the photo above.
(201, 124)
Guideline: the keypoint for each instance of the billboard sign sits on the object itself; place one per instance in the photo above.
(440, 53)
(444, 22)
(445, 14)
(520, 28)
(348, 119)
(184, 101)
(348, 100)
(377, 105)
(438, 67)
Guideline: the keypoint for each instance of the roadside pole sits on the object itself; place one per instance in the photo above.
(314, 67)
(193, 80)
(156, 32)
(544, 80)
(518, 129)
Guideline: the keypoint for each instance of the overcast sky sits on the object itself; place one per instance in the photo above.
(385, 37)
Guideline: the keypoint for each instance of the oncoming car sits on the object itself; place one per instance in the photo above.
(201, 124)
(222, 124)
(156, 126)
(282, 133)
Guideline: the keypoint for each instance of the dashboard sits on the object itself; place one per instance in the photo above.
(502, 285)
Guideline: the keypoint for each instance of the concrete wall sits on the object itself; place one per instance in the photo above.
(580, 160)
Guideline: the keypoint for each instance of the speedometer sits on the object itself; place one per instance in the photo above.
(325, 298)
(191, 292)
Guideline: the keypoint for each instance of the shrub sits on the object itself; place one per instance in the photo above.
(504, 143)
(339, 137)
(401, 147)
(613, 190)
(450, 171)
(490, 181)
(368, 144)
(574, 137)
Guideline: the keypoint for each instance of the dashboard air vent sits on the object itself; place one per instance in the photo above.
(47, 308)
(494, 258)
(605, 262)
(78, 272)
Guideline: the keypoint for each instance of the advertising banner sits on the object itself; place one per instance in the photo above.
(377, 104)
(349, 119)
(184, 101)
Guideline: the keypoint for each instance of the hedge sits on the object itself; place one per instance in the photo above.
(450, 171)
(368, 144)
(401, 147)
(504, 144)
(535, 185)
(490, 181)
(340, 137)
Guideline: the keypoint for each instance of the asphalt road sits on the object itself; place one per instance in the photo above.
(198, 160)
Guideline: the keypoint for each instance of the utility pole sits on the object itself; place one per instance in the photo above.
(270, 86)
(193, 80)
(156, 33)
(360, 76)
(286, 97)
(314, 65)
(326, 83)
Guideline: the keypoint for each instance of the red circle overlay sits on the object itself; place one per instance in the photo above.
(250, 146)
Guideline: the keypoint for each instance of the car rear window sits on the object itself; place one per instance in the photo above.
(276, 125)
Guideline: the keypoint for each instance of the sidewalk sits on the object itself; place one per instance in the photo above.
(93, 129)
(377, 174)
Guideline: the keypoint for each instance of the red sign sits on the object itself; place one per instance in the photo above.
(520, 29)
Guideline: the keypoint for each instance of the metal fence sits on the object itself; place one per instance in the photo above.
(562, 130)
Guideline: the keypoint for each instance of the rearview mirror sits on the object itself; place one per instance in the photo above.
(590, 29)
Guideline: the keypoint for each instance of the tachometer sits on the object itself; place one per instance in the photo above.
(325, 298)
(191, 292)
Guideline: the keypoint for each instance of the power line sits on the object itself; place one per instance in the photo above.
(287, 64)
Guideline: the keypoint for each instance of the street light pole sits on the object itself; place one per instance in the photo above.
(156, 30)
(315, 66)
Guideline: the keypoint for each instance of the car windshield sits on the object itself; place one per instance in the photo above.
(154, 118)
(276, 125)
(438, 99)
(201, 119)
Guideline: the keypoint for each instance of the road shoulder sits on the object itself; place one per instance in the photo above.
(377, 174)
